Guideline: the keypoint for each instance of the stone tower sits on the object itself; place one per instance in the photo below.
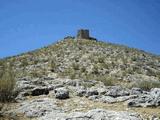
(83, 34)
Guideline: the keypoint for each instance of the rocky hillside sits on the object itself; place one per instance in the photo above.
(85, 80)
(89, 60)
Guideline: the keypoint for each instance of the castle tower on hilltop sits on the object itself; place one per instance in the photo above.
(83, 34)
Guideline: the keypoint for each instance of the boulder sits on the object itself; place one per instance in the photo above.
(136, 91)
(94, 98)
(155, 93)
(81, 92)
(61, 93)
(152, 99)
(116, 91)
(101, 91)
(141, 101)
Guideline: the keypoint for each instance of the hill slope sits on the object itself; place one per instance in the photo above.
(84, 79)
(87, 60)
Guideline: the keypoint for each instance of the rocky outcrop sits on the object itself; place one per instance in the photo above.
(116, 91)
(50, 90)
(96, 114)
(81, 92)
(136, 91)
(61, 93)
(91, 92)
(38, 107)
(152, 99)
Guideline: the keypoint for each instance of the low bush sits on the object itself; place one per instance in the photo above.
(108, 81)
(7, 84)
(147, 85)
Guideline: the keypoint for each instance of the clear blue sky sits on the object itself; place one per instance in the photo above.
(29, 24)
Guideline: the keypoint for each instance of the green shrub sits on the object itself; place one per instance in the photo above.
(7, 84)
(158, 75)
(37, 73)
(53, 65)
(95, 70)
(134, 58)
(108, 81)
(75, 66)
(147, 85)
(101, 59)
(68, 72)
(83, 69)
(24, 63)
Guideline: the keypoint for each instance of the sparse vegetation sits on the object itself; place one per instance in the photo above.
(75, 66)
(108, 81)
(53, 65)
(24, 63)
(7, 84)
(87, 60)
(147, 85)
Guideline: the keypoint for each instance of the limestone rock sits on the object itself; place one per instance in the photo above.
(155, 93)
(81, 92)
(125, 98)
(135, 91)
(21, 96)
(38, 107)
(95, 114)
(141, 101)
(116, 91)
(101, 91)
(61, 93)
(91, 92)
(146, 100)
(107, 99)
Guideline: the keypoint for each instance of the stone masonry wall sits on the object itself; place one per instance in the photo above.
(83, 34)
